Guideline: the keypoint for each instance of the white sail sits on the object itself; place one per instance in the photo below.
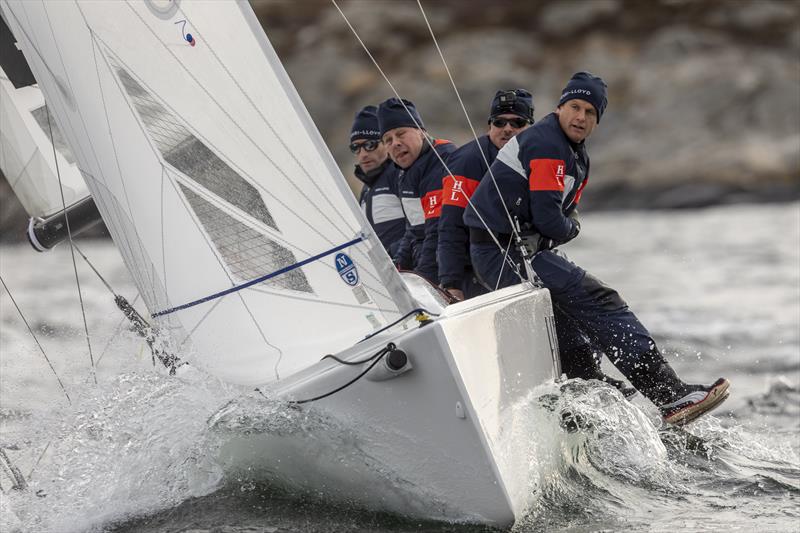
(27, 137)
(238, 228)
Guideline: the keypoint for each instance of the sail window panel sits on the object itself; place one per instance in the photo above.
(189, 155)
(247, 253)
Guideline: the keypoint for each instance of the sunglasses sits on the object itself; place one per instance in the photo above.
(369, 146)
(515, 122)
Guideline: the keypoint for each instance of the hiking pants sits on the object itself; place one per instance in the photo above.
(586, 310)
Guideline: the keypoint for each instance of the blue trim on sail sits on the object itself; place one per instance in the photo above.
(256, 281)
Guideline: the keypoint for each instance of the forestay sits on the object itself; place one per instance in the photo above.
(236, 224)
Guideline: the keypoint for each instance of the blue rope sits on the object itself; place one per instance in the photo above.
(256, 281)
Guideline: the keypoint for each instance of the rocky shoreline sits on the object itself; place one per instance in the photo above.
(704, 96)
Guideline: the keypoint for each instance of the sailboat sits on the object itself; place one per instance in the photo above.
(254, 260)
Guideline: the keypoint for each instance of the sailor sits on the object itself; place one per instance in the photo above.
(511, 112)
(379, 196)
(421, 160)
(541, 174)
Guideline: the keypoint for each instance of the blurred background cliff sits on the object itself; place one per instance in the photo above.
(704, 95)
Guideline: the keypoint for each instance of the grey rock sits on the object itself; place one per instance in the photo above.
(566, 17)
(758, 15)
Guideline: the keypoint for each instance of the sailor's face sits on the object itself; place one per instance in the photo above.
(404, 145)
(371, 153)
(503, 127)
(577, 118)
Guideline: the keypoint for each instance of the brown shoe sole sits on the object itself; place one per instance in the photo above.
(718, 394)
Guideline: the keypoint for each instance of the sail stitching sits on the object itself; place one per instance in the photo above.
(112, 57)
(169, 134)
(199, 323)
(246, 251)
(97, 39)
(258, 280)
(246, 135)
(145, 280)
(95, 46)
(35, 48)
(268, 123)
(141, 285)
(163, 231)
(66, 75)
(236, 168)
(326, 302)
(191, 214)
(182, 150)
(175, 181)
(263, 336)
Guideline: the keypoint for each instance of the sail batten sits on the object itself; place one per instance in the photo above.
(238, 229)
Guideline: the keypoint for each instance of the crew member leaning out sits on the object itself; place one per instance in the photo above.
(379, 197)
(420, 159)
(511, 112)
(541, 174)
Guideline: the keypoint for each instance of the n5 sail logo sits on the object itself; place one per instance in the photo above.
(347, 269)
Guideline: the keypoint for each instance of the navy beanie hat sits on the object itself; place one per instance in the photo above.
(586, 86)
(515, 101)
(365, 124)
(393, 114)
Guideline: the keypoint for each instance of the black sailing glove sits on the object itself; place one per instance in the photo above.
(535, 242)
(577, 225)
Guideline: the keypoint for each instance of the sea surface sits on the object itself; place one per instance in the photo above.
(132, 452)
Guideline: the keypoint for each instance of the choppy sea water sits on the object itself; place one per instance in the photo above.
(718, 288)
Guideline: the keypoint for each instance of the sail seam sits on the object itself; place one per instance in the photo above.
(248, 136)
(199, 136)
(95, 48)
(260, 114)
(256, 281)
(263, 336)
(72, 92)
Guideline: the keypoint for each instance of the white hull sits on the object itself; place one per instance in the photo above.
(435, 442)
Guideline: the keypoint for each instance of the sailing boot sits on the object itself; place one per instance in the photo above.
(581, 363)
(678, 402)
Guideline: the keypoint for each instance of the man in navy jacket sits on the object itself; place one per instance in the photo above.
(421, 162)
(541, 174)
(379, 197)
(510, 113)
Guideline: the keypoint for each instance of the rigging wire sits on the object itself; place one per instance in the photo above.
(39, 460)
(116, 332)
(140, 325)
(41, 349)
(469, 122)
(419, 126)
(71, 247)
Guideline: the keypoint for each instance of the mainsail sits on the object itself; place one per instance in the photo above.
(27, 137)
(240, 232)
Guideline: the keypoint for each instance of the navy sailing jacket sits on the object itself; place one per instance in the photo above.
(541, 175)
(468, 165)
(380, 202)
(421, 197)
